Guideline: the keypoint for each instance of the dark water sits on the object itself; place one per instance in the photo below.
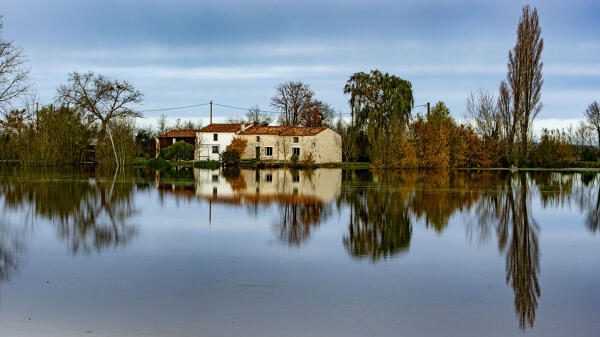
(284, 253)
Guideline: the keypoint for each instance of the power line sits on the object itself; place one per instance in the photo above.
(240, 108)
(175, 108)
(224, 106)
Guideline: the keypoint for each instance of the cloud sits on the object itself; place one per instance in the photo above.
(186, 52)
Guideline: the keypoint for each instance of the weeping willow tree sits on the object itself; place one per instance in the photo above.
(381, 106)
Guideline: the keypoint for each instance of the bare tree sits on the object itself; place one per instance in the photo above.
(508, 121)
(162, 124)
(258, 117)
(524, 77)
(326, 114)
(483, 111)
(592, 117)
(582, 137)
(30, 101)
(13, 75)
(101, 98)
(283, 148)
(293, 100)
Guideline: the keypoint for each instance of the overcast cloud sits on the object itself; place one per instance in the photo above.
(189, 52)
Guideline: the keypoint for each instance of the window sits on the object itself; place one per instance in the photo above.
(268, 151)
(258, 138)
(268, 178)
(296, 140)
(296, 150)
(215, 149)
(296, 178)
(215, 178)
(215, 136)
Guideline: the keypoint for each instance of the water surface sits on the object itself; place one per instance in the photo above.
(298, 253)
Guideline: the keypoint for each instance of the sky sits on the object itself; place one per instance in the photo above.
(181, 53)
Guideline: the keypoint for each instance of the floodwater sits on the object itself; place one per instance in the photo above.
(299, 253)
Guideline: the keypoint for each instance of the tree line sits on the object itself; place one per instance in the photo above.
(96, 110)
(498, 131)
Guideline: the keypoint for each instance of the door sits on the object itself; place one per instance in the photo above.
(258, 153)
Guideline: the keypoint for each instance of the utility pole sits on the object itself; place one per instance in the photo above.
(210, 112)
(428, 109)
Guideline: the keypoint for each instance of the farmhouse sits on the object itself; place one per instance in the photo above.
(264, 143)
(280, 143)
(213, 139)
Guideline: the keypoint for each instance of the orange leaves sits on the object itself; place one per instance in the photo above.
(238, 145)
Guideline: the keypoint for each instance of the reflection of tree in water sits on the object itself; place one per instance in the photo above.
(12, 240)
(89, 214)
(508, 211)
(298, 217)
(563, 189)
(383, 209)
(591, 204)
(592, 219)
(380, 224)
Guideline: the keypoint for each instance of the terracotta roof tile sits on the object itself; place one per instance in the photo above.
(223, 127)
(178, 133)
(304, 131)
(264, 130)
(284, 130)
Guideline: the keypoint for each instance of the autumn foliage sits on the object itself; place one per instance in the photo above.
(435, 141)
(238, 145)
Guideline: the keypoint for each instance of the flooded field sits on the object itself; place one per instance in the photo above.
(279, 252)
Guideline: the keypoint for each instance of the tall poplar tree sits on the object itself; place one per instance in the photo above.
(524, 79)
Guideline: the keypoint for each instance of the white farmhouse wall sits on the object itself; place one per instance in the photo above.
(210, 183)
(205, 143)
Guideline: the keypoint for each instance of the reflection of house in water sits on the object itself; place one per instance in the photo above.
(302, 198)
(268, 186)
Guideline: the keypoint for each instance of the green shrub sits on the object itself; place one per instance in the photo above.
(588, 155)
(294, 159)
(230, 157)
(158, 164)
(178, 151)
(208, 164)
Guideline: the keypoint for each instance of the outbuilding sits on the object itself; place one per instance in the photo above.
(169, 138)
